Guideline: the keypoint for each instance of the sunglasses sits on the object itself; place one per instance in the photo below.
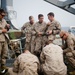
(2, 15)
(62, 36)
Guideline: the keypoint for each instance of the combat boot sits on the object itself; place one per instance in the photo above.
(72, 73)
(4, 69)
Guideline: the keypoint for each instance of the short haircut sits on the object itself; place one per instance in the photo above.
(63, 32)
(2, 11)
(40, 15)
(30, 17)
(51, 14)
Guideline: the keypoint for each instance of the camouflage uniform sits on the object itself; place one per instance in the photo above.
(52, 60)
(39, 41)
(26, 64)
(69, 48)
(55, 27)
(3, 43)
(27, 27)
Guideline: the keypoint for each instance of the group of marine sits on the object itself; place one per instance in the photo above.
(40, 56)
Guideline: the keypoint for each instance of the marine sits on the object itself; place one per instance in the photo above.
(4, 39)
(25, 64)
(54, 28)
(68, 46)
(39, 29)
(52, 59)
(27, 29)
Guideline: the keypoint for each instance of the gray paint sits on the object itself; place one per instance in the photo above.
(0, 3)
(61, 3)
(66, 5)
(5, 3)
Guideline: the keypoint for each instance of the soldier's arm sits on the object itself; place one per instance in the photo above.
(38, 65)
(67, 50)
(4, 30)
(69, 46)
(33, 31)
(64, 44)
(23, 27)
(0, 30)
(42, 57)
(16, 66)
(70, 43)
(7, 26)
(44, 32)
(57, 28)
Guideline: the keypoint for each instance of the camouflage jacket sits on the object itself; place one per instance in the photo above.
(27, 29)
(55, 27)
(69, 43)
(26, 64)
(39, 27)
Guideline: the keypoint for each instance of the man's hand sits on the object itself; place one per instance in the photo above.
(4, 30)
(39, 33)
(8, 25)
(48, 24)
(50, 32)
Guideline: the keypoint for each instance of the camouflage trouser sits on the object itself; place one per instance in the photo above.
(27, 46)
(28, 42)
(38, 46)
(40, 42)
(3, 52)
(32, 44)
(44, 41)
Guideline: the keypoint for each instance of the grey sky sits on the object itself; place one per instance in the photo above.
(25, 8)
